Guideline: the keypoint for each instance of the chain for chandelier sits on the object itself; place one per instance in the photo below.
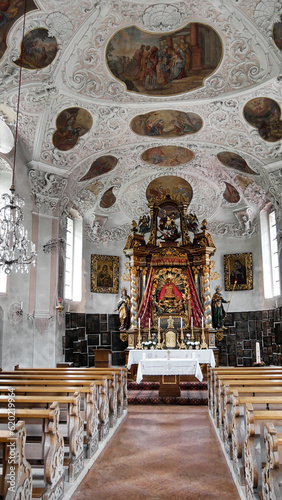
(17, 252)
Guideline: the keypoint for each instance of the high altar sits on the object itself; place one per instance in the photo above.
(169, 254)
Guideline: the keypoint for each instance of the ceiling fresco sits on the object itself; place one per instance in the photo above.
(166, 123)
(166, 64)
(122, 101)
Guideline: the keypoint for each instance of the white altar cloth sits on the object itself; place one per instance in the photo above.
(201, 355)
(173, 366)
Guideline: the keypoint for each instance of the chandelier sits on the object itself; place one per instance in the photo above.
(16, 251)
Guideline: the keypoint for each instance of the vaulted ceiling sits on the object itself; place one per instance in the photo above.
(115, 94)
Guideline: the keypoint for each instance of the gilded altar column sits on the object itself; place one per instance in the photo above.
(207, 296)
(134, 298)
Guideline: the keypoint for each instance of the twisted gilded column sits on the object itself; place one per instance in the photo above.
(134, 297)
(207, 296)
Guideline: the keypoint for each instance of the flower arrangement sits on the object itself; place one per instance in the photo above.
(261, 363)
(191, 344)
(149, 344)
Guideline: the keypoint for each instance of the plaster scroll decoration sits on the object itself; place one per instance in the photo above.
(47, 190)
(118, 233)
(15, 313)
(5, 165)
(267, 13)
(275, 190)
(162, 17)
(231, 229)
(59, 26)
(38, 98)
(244, 56)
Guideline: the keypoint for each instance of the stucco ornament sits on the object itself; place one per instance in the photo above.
(162, 17)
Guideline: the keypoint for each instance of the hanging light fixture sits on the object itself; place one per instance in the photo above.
(16, 251)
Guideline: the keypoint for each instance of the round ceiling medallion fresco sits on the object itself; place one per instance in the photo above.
(175, 186)
(232, 160)
(38, 49)
(100, 166)
(231, 194)
(167, 156)
(166, 123)
(264, 114)
(71, 124)
(164, 64)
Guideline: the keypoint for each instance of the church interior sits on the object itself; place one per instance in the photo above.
(140, 218)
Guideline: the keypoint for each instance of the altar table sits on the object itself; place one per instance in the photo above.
(205, 356)
(167, 367)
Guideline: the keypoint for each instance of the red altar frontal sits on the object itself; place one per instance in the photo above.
(169, 254)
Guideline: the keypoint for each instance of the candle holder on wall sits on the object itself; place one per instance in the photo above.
(60, 306)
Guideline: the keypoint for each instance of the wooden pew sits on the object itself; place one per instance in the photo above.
(254, 447)
(90, 406)
(213, 373)
(71, 427)
(244, 394)
(120, 371)
(272, 472)
(106, 395)
(101, 394)
(16, 476)
(44, 447)
(251, 379)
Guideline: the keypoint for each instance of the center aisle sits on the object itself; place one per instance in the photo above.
(160, 453)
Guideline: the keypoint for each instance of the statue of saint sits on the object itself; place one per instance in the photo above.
(123, 308)
(218, 313)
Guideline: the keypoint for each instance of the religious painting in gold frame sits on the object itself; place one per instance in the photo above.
(104, 273)
(238, 271)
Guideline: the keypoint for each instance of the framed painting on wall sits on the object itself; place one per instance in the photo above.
(238, 271)
(104, 273)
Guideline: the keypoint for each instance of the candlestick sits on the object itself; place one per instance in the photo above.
(257, 353)
(159, 345)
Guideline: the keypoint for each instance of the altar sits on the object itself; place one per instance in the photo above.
(169, 365)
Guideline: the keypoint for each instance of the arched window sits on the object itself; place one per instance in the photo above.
(73, 262)
(270, 255)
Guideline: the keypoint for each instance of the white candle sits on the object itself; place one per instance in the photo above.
(139, 323)
(159, 322)
(21, 306)
(257, 352)
(191, 321)
(202, 321)
(149, 323)
(181, 322)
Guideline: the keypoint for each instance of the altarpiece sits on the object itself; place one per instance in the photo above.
(169, 271)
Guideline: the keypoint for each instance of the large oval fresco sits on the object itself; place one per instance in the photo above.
(71, 124)
(100, 166)
(10, 11)
(166, 123)
(38, 49)
(167, 156)
(264, 114)
(164, 64)
(175, 186)
(232, 160)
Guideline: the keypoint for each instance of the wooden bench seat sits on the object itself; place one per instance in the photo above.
(107, 385)
(16, 477)
(71, 427)
(254, 447)
(90, 406)
(120, 371)
(272, 472)
(48, 448)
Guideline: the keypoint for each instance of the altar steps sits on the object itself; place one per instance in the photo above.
(147, 393)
